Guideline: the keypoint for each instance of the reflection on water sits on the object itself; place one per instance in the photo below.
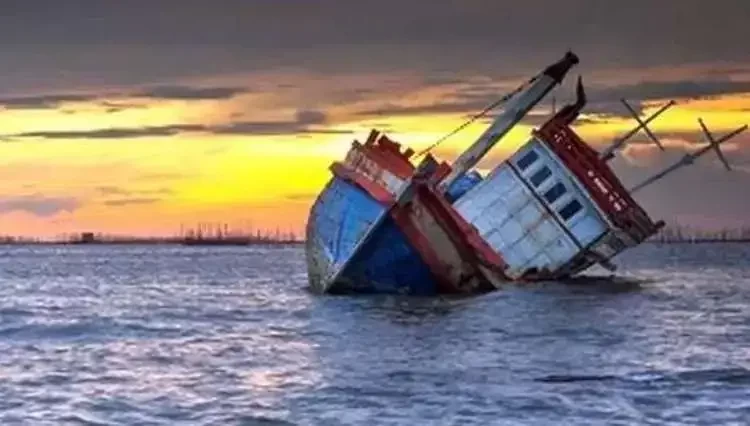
(173, 335)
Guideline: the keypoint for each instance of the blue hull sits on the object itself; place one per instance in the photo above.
(385, 263)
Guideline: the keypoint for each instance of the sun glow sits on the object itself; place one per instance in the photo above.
(109, 165)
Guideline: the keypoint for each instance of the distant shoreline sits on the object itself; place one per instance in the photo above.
(270, 243)
(151, 243)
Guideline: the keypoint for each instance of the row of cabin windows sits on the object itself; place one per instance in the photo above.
(555, 192)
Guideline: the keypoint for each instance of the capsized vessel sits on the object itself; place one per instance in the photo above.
(553, 209)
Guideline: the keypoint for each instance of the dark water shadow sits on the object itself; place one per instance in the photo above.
(733, 375)
(604, 283)
(514, 297)
(607, 283)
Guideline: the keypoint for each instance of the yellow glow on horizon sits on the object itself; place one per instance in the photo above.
(153, 184)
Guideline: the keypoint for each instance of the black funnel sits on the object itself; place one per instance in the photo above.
(569, 113)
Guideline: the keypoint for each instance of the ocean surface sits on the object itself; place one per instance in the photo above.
(149, 335)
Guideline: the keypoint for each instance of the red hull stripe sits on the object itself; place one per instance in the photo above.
(387, 154)
(389, 161)
(374, 189)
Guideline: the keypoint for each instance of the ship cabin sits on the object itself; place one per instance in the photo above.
(554, 208)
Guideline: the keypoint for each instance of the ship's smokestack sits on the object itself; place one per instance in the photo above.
(569, 113)
(558, 70)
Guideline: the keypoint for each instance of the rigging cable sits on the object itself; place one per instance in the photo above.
(478, 115)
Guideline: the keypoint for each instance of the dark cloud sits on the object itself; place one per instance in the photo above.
(39, 205)
(186, 93)
(42, 101)
(304, 122)
(694, 138)
(602, 104)
(270, 128)
(685, 89)
(391, 110)
(611, 109)
(115, 133)
(311, 117)
(636, 28)
(583, 120)
(109, 190)
(112, 107)
(465, 97)
(131, 201)
(88, 41)
(190, 93)
(726, 71)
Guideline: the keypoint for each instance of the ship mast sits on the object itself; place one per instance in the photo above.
(688, 159)
(514, 112)
(609, 153)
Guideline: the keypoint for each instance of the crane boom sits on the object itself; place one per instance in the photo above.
(515, 110)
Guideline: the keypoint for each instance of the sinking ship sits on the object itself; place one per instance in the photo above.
(550, 211)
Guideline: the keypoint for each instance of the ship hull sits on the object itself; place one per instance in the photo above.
(552, 210)
(353, 245)
(528, 220)
(450, 245)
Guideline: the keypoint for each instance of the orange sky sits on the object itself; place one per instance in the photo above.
(128, 118)
(69, 182)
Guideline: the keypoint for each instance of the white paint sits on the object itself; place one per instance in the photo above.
(516, 222)
(362, 164)
(513, 112)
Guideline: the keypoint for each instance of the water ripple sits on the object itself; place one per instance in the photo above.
(175, 335)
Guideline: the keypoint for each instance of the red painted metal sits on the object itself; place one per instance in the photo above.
(372, 137)
(374, 189)
(387, 154)
(462, 233)
(456, 260)
(443, 170)
(364, 167)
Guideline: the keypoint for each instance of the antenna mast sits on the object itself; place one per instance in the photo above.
(609, 153)
(688, 159)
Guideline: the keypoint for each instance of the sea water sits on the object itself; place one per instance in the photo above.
(167, 335)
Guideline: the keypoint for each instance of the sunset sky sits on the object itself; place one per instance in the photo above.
(136, 117)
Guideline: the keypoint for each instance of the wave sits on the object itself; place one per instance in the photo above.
(716, 375)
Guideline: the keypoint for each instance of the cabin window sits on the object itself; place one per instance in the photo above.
(527, 160)
(570, 209)
(540, 176)
(554, 193)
